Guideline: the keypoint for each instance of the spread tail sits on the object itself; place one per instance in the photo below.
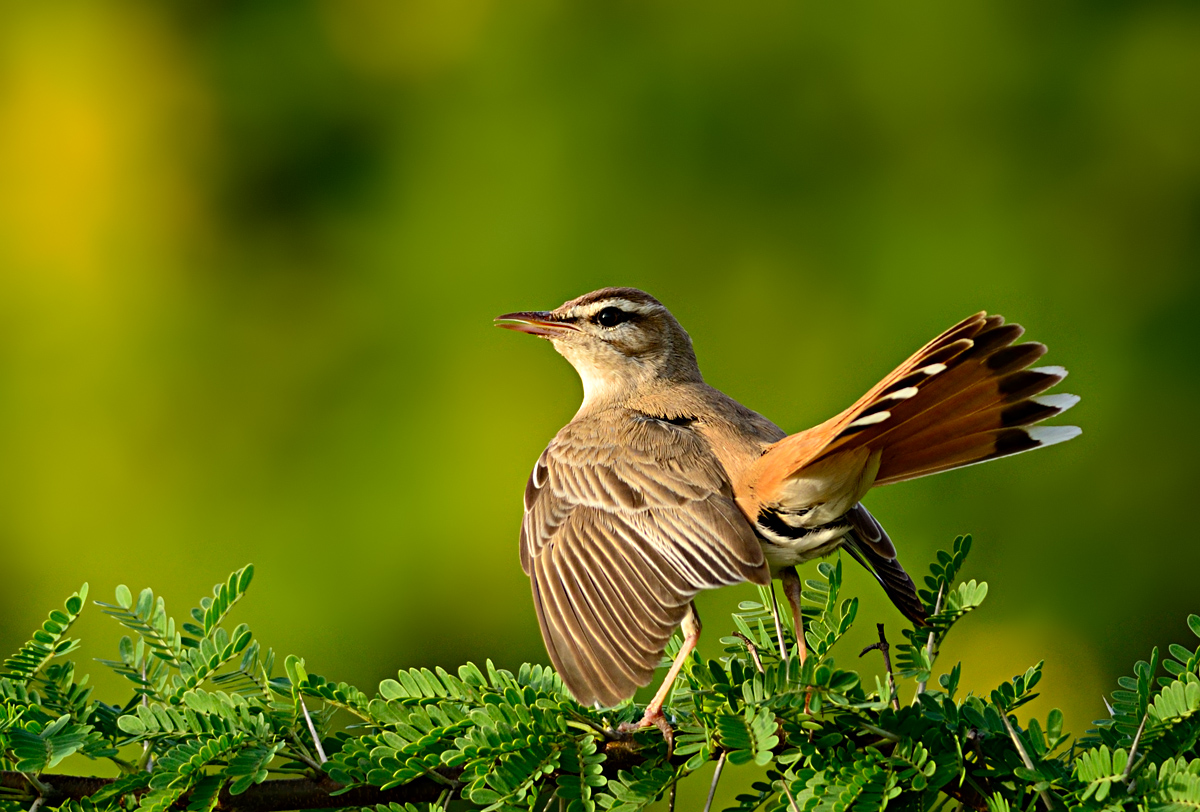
(968, 396)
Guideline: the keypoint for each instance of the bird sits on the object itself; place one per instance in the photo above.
(662, 486)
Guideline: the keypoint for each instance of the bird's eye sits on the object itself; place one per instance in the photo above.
(610, 317)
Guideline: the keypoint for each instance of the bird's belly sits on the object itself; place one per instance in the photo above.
(781, 551)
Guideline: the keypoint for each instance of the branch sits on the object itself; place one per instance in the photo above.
(883, 646)
(269, 796)
(292, 793)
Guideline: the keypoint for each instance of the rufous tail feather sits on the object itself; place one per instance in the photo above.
(968, 396)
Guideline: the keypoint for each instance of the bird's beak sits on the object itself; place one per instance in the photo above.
(536, 323)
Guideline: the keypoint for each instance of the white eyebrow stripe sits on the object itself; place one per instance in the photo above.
(593, 308)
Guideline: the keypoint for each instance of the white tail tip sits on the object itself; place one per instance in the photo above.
(1052, 435)
(1062, 402)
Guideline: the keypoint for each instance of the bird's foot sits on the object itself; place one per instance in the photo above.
(652, 718)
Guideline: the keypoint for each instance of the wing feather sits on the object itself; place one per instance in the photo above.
(621, 616)
(625, 522)
(597, 618)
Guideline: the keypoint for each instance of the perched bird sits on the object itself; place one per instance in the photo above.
(661, 486)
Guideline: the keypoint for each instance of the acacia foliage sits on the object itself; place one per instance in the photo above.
(209, 715)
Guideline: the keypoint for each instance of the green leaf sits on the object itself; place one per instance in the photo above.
(132, 725)
(294, 667)
(518, 741)
(46, 643)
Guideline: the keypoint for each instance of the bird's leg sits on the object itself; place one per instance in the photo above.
(791, 588)
(654, 715)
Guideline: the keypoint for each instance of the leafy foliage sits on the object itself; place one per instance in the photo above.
(945, 603)
(47, 643)
(208, 719)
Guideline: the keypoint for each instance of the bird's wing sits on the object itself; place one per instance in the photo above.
(625, 521)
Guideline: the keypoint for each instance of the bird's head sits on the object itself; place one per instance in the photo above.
(621, 341)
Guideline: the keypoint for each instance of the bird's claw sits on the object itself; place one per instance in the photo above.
(652, 718)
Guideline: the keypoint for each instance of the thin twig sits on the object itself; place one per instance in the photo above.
(37, 802)
(147, 756)
(783, 651)
(883, 646)
(312, 728)
(671, 787)
(751, 649)
(712, 790)
(878, 731)
(791, 798)
(1024, 756)
(937, 610)
(1133, 748)
(43, 789)
(301, 754)
(439, 778)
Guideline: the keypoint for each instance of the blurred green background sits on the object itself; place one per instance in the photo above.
(250, 254)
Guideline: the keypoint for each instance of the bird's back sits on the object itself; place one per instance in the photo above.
(735, 434)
